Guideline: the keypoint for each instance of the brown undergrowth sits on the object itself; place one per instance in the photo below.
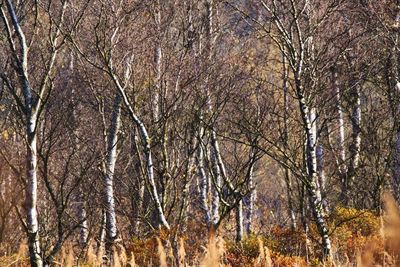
(359, 238)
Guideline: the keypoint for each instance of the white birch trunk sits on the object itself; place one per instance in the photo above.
(216, 161)
(32, 222)
(288, 181)
(157, 62)
(239, 221)
(187, 178)
(141, 183)
(203, 178)
(355, 147)
(147, 151)
(217, 180)
(320, 182)
(112, 148)
(82, 218)
(321, 176)
(80, 199)
(396, 93)
(249, 200)
(102, 234)
(313, 191)
(340, 125)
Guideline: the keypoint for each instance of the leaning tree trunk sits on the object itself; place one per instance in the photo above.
(162, 221)
(112, 147)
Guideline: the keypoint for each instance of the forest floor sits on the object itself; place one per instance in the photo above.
(359, 238)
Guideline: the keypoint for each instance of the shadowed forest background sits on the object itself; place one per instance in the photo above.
(199, 133)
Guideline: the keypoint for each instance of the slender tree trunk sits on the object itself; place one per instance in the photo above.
(312, 149)
(321, 176)
(217, 182)
(320, 182)
(162, 221)
(82, 218)
(218, 169)
(137, 206)
(33, 103)
(396, 168)
(80, 198)
(203, 178)
(249, 200)
(102, 234)
(187, 178)
(340, 124)
(157, 62)
(394, 93)
(342, 167)
(288, 181)
(312, 179)
(355, 146)
(289, 193)
(112, 148)
(32, 222)
(239, 221)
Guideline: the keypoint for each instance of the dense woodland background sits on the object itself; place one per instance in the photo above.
(263, 122)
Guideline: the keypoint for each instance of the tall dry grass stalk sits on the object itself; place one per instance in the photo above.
(132, 262)
(119, 257)
(181, 253)
(390, 233)
(123, 257)
(161, 253)
(115, 259)
(391, 225)
(214, 252)
(69, 260)
(100, 253)
(264, 258)
(91, 257)
(22, 252)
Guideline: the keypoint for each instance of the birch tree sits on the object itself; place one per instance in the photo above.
(31, 102)
(106, 40)
(393, 82)
(295, 41)
(111, 158)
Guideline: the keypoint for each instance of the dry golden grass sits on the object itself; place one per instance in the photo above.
(382, 248)
(181, 252)
(264, 259)
(161, 253)
(70, 258)
(214, 252)
(132, 262)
